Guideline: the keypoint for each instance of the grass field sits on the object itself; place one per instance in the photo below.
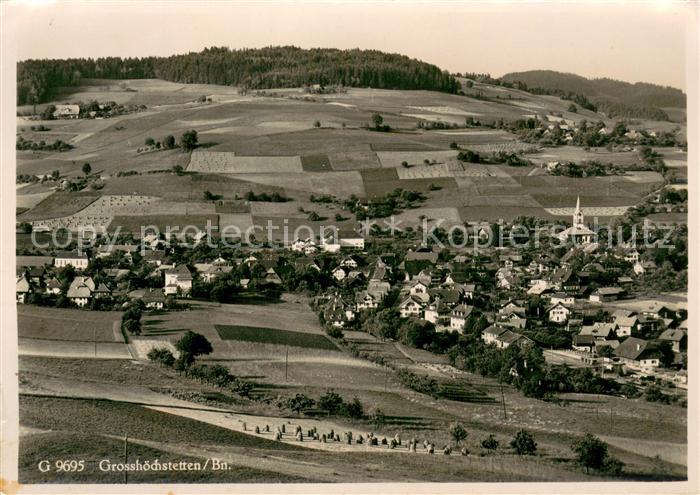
(37, 322)
(274, 336)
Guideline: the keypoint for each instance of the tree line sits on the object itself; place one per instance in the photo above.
(271, 67)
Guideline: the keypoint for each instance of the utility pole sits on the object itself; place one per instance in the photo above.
(126, 457)
(94, 338)
(286, 365)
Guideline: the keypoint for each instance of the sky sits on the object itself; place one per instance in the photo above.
(630, 41)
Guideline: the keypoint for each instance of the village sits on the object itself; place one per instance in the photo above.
(577, 300)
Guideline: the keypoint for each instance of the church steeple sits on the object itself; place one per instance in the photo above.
(578, 214)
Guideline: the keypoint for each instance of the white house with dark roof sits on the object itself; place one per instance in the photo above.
(178, 280)
(558, 313)
(411, 307)
(458, 317)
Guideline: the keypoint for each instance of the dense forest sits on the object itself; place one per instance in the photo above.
(615, 98)
(272, 67)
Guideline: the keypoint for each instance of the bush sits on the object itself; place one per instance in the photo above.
(331, 402)
(490, 443)
(354, 409)
(162, 356)
(458, 433)
(299, 403)
(523, 443)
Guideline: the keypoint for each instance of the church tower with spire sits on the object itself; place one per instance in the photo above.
(578, 214)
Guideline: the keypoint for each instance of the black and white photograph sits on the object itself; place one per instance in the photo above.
(441, 245)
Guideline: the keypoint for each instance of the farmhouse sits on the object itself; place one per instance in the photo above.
(627, 322)
(678, 339)
(490, 334)
(178, 280)
(81, 291)
(66, 112)
(366, 300)
(606, 294)
(79, 261)
(154, 299)
(22, 289)
(638, 354)
(53, 286)
(307, 246)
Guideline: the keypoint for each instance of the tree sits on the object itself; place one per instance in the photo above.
(458, 433)
(87, 168)
(605, 351)
(169, 141)
(667, 356)
(592, 453)
(317, 124)
(378, 120)
(192, 345)
(573, 108)
(189, 140)
(377, 417)
(150, 141)
(523, 443)
(299, 403)
(331, 402)
(354, 409)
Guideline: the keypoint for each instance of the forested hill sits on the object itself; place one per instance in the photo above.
(617, 98)
(272, 67)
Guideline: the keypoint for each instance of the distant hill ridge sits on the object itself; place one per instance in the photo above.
(270, 67)
(617, 98)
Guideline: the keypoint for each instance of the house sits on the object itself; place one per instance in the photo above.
(558, 313)
(639, 354)
(511, 306)
(508, 338)
(22, 289)
(606, 294)
(627, 322)
(344, 238)
(53, 286)
(306, 246)
(561, 297)
(411, 307)
(678, 339)
(66, 112)
(155, 257)
(110, 249)
(80, 291)
(101, 292)
(306, 263)
(418, 288)
(365, 300)
(458, 317)
(216, 270)
(338, 313)
(77, 260)
(600, 331)
(490, 334)
(178, 280)
(429, 256)
(378, 289)
(271, 277)
(154, 299)
(352, 262)
(513, 321)
(340, 273)
(437, 313)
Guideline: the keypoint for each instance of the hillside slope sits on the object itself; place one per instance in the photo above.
(271, 67)
(616, 98)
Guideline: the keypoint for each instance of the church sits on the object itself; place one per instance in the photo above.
(578, 233)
